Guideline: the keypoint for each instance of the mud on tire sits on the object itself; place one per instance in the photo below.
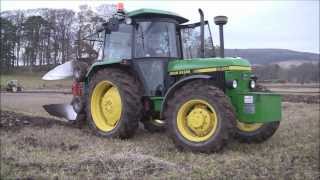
(128, 87)
(204, 90)
(259, 135)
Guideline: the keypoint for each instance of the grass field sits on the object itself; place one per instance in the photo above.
(34, 81)
(45, 148)
(35, 146)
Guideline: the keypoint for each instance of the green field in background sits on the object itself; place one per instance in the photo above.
(34, 81)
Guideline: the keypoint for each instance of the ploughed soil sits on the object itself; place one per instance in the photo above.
(118, 164)
(297, 98)
(11, 121)
(38, 147)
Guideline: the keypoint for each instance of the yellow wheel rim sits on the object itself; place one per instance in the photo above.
(248, 127)
(106, 106)
(197, 120)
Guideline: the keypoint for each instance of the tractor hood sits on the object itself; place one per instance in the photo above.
(228, 63)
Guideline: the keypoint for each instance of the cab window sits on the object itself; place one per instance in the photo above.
(191, 41)
(118, 44)
(155, 39)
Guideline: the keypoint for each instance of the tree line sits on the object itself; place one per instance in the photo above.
(47, 37)
(42, 37)
(303, 73)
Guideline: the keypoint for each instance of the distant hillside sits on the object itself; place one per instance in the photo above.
(289, 64)
(268, 56)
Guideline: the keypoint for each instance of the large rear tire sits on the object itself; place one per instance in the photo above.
(200, 117)
(114, 103)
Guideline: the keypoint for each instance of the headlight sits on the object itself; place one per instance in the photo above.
(234, 84)
(128, 20)
(252, 84)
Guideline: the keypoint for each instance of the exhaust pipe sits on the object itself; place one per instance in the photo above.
(201, 33)
(220, 21)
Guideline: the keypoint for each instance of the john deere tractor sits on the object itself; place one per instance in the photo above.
(166, 74)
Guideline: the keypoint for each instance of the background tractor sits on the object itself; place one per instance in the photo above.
(14, 86)
(160, 71)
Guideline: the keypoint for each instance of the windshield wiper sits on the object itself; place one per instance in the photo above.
(142, 38)
(168, 40)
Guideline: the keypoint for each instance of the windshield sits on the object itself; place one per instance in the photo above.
(118, 44)
(155, 39)
(191, 42)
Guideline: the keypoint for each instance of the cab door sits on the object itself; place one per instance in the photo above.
(154, 46)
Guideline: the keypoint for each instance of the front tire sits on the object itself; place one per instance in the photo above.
(114, 103)
(200, 117)
(256, 132)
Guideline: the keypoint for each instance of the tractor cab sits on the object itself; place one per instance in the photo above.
(148, 39)
(148, 33)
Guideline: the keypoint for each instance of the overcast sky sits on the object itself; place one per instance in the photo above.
(252, 24)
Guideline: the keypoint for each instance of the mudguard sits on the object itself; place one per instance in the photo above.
(100, 64)
(176, 85)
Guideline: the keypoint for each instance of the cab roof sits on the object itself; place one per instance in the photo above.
(157, 13)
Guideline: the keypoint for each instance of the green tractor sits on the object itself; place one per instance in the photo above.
(159, 71)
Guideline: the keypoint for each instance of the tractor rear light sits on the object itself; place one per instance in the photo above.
(76, 89)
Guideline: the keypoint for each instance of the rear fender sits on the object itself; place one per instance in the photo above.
(101, 64)
(121, 64)
(176, 86)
